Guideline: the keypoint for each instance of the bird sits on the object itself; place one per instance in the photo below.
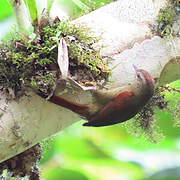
(113, 106)
(108, 107)
(123, 103)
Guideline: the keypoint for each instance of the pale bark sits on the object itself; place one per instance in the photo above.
(127, 39)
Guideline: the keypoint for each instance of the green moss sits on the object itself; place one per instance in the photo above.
(145, 123)
(34, 64)
(175, 2)
(166, 18)
(79, 43)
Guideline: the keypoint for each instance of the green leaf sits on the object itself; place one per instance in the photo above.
(31, 5)
(5, 10)
(49, 5)
(81, 4)
(57, 173)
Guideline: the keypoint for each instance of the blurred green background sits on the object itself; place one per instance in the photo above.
(107, 153)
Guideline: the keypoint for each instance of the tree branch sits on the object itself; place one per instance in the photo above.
(127, 39)
(21, 17)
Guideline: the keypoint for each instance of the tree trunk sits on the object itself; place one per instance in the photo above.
(128, 39)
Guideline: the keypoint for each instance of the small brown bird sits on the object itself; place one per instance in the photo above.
(124, 103)
(113, 106)
(108, 107)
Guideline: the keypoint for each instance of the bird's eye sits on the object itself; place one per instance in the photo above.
(138, 75)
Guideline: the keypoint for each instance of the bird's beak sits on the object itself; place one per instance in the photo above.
(135, 68)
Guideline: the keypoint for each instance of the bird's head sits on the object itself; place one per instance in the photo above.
(145, 78)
